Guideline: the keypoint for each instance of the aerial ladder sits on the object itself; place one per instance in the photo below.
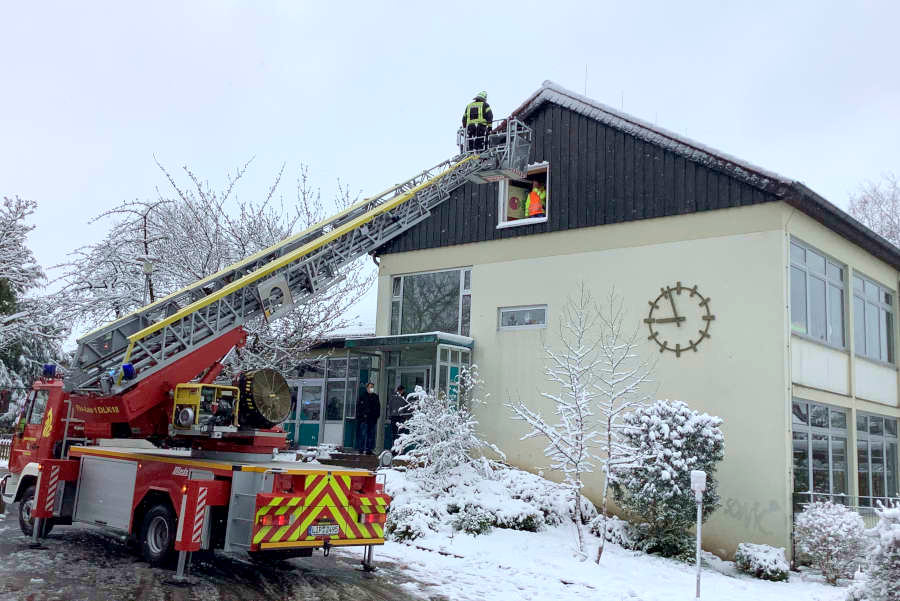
(100, 446)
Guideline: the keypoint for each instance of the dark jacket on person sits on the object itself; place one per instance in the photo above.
(368, 407)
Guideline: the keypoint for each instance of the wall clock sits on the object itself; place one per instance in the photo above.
(679, 319)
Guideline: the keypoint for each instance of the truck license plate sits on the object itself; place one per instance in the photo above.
(324, 530)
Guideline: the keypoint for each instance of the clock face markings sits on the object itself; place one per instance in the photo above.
(663, 314)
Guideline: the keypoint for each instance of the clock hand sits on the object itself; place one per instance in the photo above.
(676, 320)
(674, 310)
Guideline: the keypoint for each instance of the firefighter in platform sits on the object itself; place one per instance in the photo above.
(536, 202)
(477, 121)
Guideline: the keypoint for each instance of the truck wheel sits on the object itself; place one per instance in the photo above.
(26, 522)
(158, 536)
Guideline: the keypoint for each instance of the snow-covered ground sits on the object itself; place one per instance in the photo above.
(508, 565)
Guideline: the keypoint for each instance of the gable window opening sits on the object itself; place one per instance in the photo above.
(817, 296)
(436, 301)
(525, 201)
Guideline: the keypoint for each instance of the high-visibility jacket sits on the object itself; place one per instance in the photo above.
(537, 198)
(478, 112)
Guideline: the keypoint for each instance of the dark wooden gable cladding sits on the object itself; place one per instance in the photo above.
(598, 175)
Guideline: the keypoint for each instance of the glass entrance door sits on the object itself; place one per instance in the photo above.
(410, 377)
(309, 412)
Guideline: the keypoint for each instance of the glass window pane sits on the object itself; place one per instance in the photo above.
(888, 300)
(334, 401)
(820, 463)
(798, 300)
(862, 426)
(834, 272)
(882, 334)
(337, 368)
(801, 413)
(838, 420)
(466, 325)
(857, 283)
(817, 317)
(445, 355)
(395, 291)
(889, 340)
(877, 466)
(454, 357)
(862, 466)
(838, 465)
(467, 279)
(395, 318)
(815, 262)
(890, 427)
(835, 316)
(876, 426)
(510, 318)
(872, 348)
(350, 400)
(465, 357)
(40, 405)
(872, 292)
(819, 416)
(444, 376)
(891, 469)
(310, 403)
(801, 462)
(431, 303)
(798, 254)
(859, 325)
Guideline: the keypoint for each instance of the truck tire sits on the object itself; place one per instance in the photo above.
(26, 522)
(158, 536)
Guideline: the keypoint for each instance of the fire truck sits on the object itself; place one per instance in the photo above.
(140, 438)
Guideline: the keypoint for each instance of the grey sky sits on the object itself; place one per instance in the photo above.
(372, 93)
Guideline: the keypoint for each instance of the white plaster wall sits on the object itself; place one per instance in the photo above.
(876, 382)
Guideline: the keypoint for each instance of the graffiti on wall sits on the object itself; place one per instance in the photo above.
(755, 516)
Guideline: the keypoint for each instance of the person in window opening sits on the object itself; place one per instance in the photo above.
(398, 410)
(537, 200)
(368, 409)
(477, 120)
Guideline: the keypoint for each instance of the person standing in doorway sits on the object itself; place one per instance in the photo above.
(477, 120)
(362, 405)
(371, 413)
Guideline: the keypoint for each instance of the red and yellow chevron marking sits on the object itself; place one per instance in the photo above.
(325, 498)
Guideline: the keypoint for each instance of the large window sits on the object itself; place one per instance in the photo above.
(817, 295)
(873, 321)
(438, 301)
(515, 208)
(876, 457)
(820, 452)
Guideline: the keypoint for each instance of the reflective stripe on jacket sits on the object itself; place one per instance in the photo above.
(477, 112)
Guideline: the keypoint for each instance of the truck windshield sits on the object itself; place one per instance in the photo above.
(38, 408)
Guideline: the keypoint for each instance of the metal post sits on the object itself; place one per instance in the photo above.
(699, 526)
(368, 566)
(35, 543)
(182, 561)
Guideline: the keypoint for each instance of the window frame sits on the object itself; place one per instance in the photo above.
(828, 282)
(882, 306)
(831, 432)
(503, 191)
(885, 439)
(463, 291)
(541, 326)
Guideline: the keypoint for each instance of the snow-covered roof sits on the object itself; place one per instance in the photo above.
(690, 149)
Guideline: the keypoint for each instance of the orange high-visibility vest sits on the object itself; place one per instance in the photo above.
(536, 199)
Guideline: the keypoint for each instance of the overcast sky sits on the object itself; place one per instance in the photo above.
(372, 93)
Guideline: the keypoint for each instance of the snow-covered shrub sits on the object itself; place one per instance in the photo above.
(762, 561)
(410, 521)
(883, 573)
(618, 531)
(473, 520)
(441, 433)
(831, 536)
(672, 439)
(555, 502)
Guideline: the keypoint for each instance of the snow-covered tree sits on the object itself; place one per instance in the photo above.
(883, 574)
(599, 374)
(877, 205)
(441, 433)
(192, 230)
(673, 440)
(832, 536)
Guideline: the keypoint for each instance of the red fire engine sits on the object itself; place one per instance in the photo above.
(139, 438)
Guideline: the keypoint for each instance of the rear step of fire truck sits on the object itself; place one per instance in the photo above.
(122, 353)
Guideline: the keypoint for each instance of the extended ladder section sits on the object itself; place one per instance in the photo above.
(270, 282)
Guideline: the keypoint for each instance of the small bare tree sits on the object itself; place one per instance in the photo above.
(600, 375)
(877, 205)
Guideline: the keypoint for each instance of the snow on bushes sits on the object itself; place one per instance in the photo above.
(673, 439)
(508, 498)
(618, 531)
(762, 561)
(883, 573)
(832, 537)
